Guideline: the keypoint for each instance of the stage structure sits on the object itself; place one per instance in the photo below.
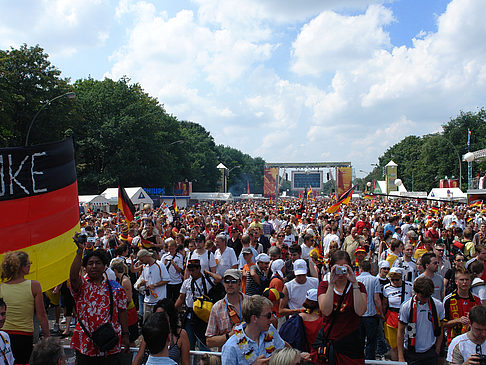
(305, 175)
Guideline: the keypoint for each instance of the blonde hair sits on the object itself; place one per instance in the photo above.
(284, 356)
(119, 266)
(12, 262)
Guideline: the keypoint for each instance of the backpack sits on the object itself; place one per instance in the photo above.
(293, 332)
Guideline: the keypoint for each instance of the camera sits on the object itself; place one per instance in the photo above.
(482, 359)
(341, 270)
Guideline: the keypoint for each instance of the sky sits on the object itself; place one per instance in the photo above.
(286, 80)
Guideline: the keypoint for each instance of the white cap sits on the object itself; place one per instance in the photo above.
(277, 267)
(383, 264)
(311, 295)
(263, 257)
(300, 267)
(395, 270)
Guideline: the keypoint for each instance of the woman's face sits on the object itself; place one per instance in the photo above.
(396, 281)
(26, 268)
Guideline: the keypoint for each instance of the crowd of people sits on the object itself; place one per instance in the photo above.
(264, 283)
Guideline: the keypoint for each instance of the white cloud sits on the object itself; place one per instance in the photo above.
(332, 41)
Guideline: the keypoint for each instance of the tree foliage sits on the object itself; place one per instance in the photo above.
(423, 161)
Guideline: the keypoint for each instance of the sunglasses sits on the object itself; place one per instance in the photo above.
(230, 281)
(268, 315)
(460, 260)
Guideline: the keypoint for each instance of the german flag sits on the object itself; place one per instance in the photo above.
(309, 191)
(476, 203)
(125, 205)
(40, 208)
(434, 210)
(174, 205)
(369, 196)
(344, 199)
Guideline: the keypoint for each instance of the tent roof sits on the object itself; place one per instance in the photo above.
(212, 196)
(137, 195)
(441, 193)
(84, 199)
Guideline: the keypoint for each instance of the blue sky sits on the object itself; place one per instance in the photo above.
(287, 80)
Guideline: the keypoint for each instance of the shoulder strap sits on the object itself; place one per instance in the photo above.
(403, 292)
(209, 256)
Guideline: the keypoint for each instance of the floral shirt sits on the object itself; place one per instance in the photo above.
(93, 309)
(242, 350)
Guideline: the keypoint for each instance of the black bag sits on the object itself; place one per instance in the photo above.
(217, 291)
(322, 344)
(293, 332)
(105, 336)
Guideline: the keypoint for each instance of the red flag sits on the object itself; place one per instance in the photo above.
(125, 204)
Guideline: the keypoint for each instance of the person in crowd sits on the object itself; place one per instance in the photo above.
(370, 320)
(255, 339)
(121, 272)
(5, 346)
(478, 286)
(468, 347)
(342, 301)
(247, 254)
(226, 314)
(332, 236)
(307, 246)
(384, 269)
(419, 335)
(420, 249)
(469, 248)
(48, 351)
(351, 243)
(294, 291)
(257, 279)
(407, 264)
(480, 237)
(431, 265)
(242, 261)
(174, 264)
(394, 294)
(443, 262)
(235, 241)
(205, 257)
(458, 304)
(197, 285)
(481, 257)
(450, 275)
(295, 254)
(156, 333)
(311, 317)
(22, 298)
(98, 301)
(396, 249)
(153, 279)
(178, 346)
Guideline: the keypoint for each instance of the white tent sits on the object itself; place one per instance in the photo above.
(94, 202)
(212, 196)
(447, 194)
(138, 196)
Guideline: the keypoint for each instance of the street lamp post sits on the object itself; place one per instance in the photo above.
(458, 157)
(227, 178)
(69, 94)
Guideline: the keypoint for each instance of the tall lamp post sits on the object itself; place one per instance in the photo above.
(69, 94)
(227, 178)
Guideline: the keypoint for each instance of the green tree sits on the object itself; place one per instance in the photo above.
(27, 81)
(124, 137)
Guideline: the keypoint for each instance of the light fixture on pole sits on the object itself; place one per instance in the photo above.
(69, 94)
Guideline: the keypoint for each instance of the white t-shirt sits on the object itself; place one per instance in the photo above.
(225, 261)
(152, 274)
(297, 292)
(6, 348)
(175, 277)
(461, 348)
(327, 241)
(479, 290)
(289, 240)
(203, 259)
(394, 294)
(424, 338)
(187, 289)
(306, 251)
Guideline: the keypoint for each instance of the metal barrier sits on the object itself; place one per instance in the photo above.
(195, 356)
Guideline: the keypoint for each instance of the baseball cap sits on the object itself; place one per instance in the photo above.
(273, 294)
(246, 250)
(234, 273)
(395, 270)
(360, 249)
(311, 295)
(143, 252)
(300, 267)
(263, 257)
(382, 264)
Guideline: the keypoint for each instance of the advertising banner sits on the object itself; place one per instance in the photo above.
(344, 179)
(270, 181)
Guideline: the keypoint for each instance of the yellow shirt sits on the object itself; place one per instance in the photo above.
(20, 306)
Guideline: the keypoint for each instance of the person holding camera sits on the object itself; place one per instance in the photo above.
(100, 304)
(470, 348)
(342, 301)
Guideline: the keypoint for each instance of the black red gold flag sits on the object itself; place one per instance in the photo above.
(125, 205)
(39, 207)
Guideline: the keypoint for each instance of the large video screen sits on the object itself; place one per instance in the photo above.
(302, 180)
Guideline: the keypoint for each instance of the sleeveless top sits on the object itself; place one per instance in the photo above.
(20, 306)
(174, 350)
(252, 287)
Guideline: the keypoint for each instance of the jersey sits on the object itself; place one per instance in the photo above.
(457, 307)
